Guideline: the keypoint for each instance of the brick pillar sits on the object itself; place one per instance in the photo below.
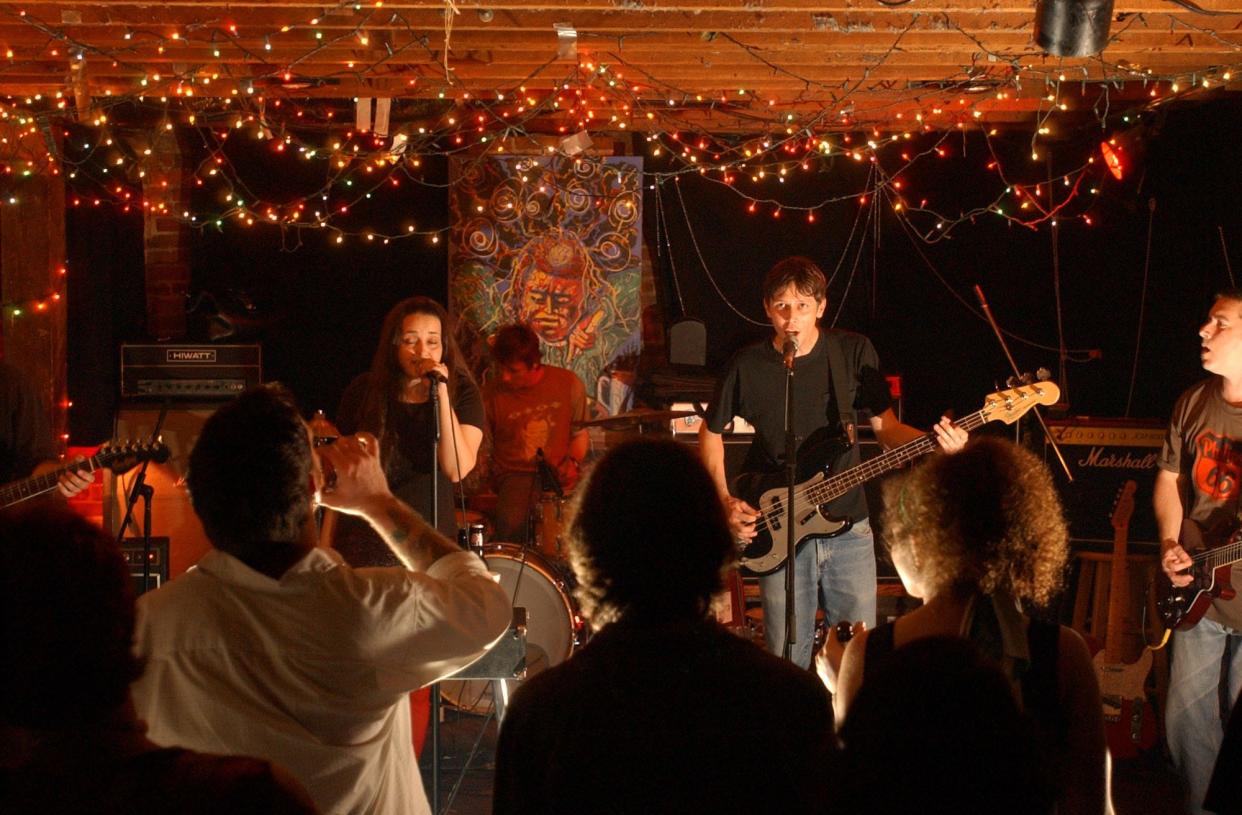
(166, 189)
(32, 270)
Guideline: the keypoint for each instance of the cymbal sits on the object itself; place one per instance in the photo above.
(634, 417)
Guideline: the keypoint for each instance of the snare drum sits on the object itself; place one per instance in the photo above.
(553, 629)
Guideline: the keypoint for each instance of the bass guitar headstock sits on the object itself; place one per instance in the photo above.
(1010, 405)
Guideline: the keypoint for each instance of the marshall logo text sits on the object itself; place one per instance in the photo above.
(1099, 458)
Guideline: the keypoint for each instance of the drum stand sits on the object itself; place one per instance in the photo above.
(503, 662)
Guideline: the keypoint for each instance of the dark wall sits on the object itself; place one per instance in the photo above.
(916, 301)
(106, 306)
(317, 305)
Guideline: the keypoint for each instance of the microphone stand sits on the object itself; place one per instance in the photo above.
(434, 691)
(791, 473)
(144, 490)
(1000, 338)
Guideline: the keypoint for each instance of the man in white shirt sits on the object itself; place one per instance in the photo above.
(274, 647)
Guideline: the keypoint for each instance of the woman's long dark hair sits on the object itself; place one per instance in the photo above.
(386, 381)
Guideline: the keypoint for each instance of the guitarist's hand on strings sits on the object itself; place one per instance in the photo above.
(71, 482)
(742, 518)
(949, 436)
(1174, 560)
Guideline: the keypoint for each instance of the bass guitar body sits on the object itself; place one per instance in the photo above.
(769, 493)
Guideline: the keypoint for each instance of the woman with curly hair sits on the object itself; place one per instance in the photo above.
(980, 536)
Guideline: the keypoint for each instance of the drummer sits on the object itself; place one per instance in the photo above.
(531, 410)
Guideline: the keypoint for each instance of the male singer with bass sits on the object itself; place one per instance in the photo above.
(837, 573)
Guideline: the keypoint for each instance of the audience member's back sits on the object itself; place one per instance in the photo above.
(937, 729)
(69, 739)
(663, 710)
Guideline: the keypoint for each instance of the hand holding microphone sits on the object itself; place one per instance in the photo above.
(434, 372)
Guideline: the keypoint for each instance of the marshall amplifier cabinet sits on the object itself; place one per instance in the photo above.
(1102, 455)
(189, 371)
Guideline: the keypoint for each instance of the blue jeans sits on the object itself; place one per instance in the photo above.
(837, 574)
(1193, 718)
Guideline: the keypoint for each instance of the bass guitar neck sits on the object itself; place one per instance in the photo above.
(811, 518)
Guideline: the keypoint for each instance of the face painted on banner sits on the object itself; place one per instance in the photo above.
(551, 284)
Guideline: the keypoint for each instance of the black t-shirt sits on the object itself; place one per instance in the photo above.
(666, 718)
(753, 387)
(408, 463)
(25, 435)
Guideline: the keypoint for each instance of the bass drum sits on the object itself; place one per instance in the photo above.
(553, 628)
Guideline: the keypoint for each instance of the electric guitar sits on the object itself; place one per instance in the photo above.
(1128, 724)
(118, 458)
(1183, 606)
(817, 486)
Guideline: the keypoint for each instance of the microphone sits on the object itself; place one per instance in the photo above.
(435, 376)
(790, 350)
(548, 482)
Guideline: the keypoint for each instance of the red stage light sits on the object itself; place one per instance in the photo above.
(1114, 158)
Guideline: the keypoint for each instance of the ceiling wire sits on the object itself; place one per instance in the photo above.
(1138, 336)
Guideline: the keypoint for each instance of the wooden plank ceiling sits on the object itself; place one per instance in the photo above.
(559, 66)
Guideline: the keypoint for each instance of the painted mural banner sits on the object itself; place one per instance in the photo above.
(554, 242)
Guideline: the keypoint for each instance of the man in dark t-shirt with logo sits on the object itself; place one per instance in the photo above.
(1200, 481)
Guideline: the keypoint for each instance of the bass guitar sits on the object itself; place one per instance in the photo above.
(817, 486)
(116, 457)
(1183, 606)
(1128, 722)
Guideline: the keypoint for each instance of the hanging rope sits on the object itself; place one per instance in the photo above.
(695, 242)
(662, 228)
(450, 10)
(1151, 214)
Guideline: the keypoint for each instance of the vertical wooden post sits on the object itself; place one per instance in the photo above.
(166, 238)
(32, 276)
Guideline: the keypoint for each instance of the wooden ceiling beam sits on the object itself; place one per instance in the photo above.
(310, 8)
(1228, 45)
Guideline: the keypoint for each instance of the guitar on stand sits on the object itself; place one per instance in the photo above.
(1129, 723)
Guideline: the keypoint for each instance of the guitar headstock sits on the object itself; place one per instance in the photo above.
(1123, 507)
(1009, 405)
(125, 455)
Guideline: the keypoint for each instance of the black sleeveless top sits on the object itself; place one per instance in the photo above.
(1041, 702)
(1038, 682)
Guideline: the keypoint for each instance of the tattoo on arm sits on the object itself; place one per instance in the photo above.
(400, 532)
(411, 539)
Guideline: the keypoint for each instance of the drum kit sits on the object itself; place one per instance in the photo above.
(536, 577)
